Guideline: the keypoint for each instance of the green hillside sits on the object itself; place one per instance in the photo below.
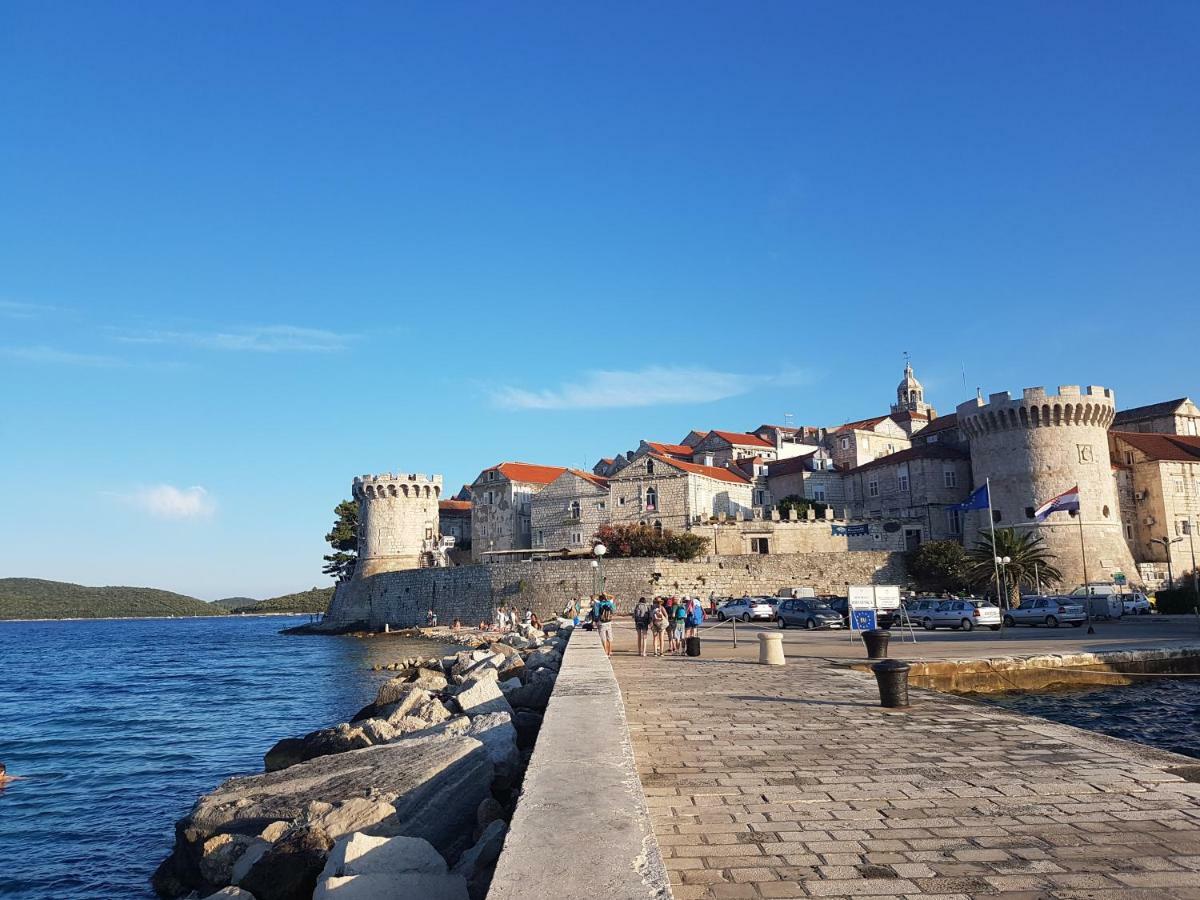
(314, 601)
(33, 598)
(229, 604)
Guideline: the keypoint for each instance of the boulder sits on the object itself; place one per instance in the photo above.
(363, 854)
(511, 685)
(428, 679)
(339, 739)
(482, 697)
(230, 893)
(546, 657)
(499, 738)
(434, 785)
(477, 863)
(489, 811)
(289, 870)
(502, 648)
(528, 723)
(254, 853)
(380, 886)
(534, 694)
(412, 699)
(477, 662)
(218, 855)
(512, 667)
(355, 814)
(398, 690)
(432, 711)
(380, 731)
(274, 831)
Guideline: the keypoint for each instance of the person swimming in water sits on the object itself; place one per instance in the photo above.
(5, 778)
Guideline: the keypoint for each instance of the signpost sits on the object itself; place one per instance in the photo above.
(865, 600)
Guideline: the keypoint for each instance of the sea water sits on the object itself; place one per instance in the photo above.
(118, 726)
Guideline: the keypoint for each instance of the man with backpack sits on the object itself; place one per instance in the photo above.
(641, 621)
(603, 614)
(679, 615)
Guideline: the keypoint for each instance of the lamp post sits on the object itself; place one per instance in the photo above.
(1166, 545)
(1191, 527)
(598, 574)
(1002, 562)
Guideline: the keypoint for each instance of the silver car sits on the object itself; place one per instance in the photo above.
(1048, 611)
(962, 614)
(746, 608)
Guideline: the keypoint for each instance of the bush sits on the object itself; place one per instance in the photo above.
(1176, 601)
(939, 566)
(625, 541)
(801, 505)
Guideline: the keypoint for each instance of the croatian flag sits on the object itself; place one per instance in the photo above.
(1067, 501)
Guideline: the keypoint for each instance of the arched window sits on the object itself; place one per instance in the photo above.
(649, 467)
(651, 498)
(574, 509)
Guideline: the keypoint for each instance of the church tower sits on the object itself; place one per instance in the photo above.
(910, 411)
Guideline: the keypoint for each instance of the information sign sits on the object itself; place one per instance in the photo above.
(862, 620)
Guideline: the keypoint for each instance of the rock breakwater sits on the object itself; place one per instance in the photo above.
(411, 797)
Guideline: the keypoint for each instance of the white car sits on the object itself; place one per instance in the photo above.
(962, 614)
(1136, 604)
(746, 608)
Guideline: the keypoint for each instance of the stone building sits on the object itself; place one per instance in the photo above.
(567, 513)
(812, 477)
(397, 521)
(856, 443)
(907, 493)
(1164, 487)
(669, 493)
(789, 441)
(455, 519)
(501, 505)
(1033, 448)
(754, 470)
(720, 448)
(1180, 416)
(942, 430)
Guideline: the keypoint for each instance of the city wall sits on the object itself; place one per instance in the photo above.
(470, 593)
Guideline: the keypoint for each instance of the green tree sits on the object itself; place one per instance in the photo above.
(940, 566)
(343, 538)
(1031, 562)
(802, 505)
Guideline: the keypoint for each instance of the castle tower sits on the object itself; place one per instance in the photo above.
(1033, 449)
(396, 515)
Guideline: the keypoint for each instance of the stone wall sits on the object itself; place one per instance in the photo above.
(470, 593)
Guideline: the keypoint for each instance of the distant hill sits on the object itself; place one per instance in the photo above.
(314, 601)
(33, 598)
(229, 604)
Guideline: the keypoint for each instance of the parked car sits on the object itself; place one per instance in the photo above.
(916, 609)
(962, 614)
(1103, 599)
(1048, 611)
(1136, 604)
(841, 606)
(745, 609)
(807, 613)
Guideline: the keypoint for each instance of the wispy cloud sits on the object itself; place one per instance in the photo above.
(56, 357)
(165, 501)
(12, 309)
(259, 339)
(653, 386)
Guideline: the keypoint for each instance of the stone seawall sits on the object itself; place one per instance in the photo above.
(470, 593)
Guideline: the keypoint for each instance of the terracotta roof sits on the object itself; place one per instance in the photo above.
(708, 471)
(527, 472)
(607, 460)
(860, 425)
(1144, 412)
(1173, 447)
(670, 449)
(790, 466)
(597, 480)
(741, 439)
(941, 423)
(925, 451)
(454, 505)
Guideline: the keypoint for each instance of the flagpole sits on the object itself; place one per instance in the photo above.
(1087, 591)
(995, 558)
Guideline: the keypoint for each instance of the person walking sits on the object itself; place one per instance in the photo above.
(658, 625)
(603, 614)
(641, 621)
(679, 612)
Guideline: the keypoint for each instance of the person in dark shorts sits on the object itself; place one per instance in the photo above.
(641, 621)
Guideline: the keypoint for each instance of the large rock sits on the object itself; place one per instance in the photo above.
(477, 863)
(339, 739)
(380, 731)
(428, 679)
(499, 738)
(219, 854)
(433, 784)
(254, 853)
(535, 693)
(544, 656)
(401, 693)
(355, 814)
(482, 697)
(289, 870)
(528, 723)
(230, 893)
(364, 854)
(380, 886)
(512, 667)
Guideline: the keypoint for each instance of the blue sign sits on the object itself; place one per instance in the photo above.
(850, 530)
(862, 620)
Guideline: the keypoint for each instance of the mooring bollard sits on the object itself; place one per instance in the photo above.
(770, 649)
(892, 676)
(877, 643)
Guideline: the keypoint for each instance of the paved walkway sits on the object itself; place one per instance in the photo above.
(792, 782)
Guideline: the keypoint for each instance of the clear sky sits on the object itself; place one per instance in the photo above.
(248, 251)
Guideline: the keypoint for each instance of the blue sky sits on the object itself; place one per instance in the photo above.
(246, 253)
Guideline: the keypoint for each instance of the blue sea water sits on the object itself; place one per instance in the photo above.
(118, 726)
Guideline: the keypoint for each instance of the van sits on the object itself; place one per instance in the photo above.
(1103, 600)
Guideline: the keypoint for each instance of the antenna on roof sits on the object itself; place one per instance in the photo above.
(964, 374)
(787, 420)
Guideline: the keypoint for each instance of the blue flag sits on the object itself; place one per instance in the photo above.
(979, 499)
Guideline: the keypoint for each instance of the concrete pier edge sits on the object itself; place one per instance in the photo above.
(582, 827)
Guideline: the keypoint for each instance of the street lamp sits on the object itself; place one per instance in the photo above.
(1166, 545)
(1002, 562)
(598, 575)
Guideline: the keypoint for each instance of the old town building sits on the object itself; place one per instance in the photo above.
(669, 493)
(501, 506)
(1180, 416)
(567, 513)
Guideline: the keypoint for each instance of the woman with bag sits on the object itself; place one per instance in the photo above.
(658, 625)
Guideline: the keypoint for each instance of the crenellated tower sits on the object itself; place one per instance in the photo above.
(1034, 448)
(397, 516)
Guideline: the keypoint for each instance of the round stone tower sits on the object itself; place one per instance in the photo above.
(1033, 449)
(396, 515)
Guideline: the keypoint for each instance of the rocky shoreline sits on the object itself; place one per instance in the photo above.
(412, 796)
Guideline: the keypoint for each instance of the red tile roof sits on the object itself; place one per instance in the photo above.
(1171, 447)
(860, 425)
(741, 439)
(670, 449)
(707, 471)
(925, 451)
(454, 505)
(597, 480)
(527, 472)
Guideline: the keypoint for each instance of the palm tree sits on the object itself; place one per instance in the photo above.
(1031, 561)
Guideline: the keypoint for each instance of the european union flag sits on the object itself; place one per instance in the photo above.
(979, 499)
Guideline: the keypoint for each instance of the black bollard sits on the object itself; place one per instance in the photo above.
(892, 676)
(877, 643)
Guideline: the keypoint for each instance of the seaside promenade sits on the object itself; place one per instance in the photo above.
(770, 782)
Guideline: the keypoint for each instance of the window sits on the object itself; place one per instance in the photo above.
(600, 504)
(954, 521)
(1129, 457)
(949, 477)
(1129, 532)
(651, 498)
(845, 443)
(491, 498)
(902, 477)
(577, 537)
(492, 475)
(649, 467)
(818, 492)
(574, 509)
(541, 538)
(1178, 484)
(760, 497)
(891, 448)
(1181, 526)
(708, 459)
(1191, 427)
(760, 545)
(873, 487)
(621, 500)
(524, 526)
